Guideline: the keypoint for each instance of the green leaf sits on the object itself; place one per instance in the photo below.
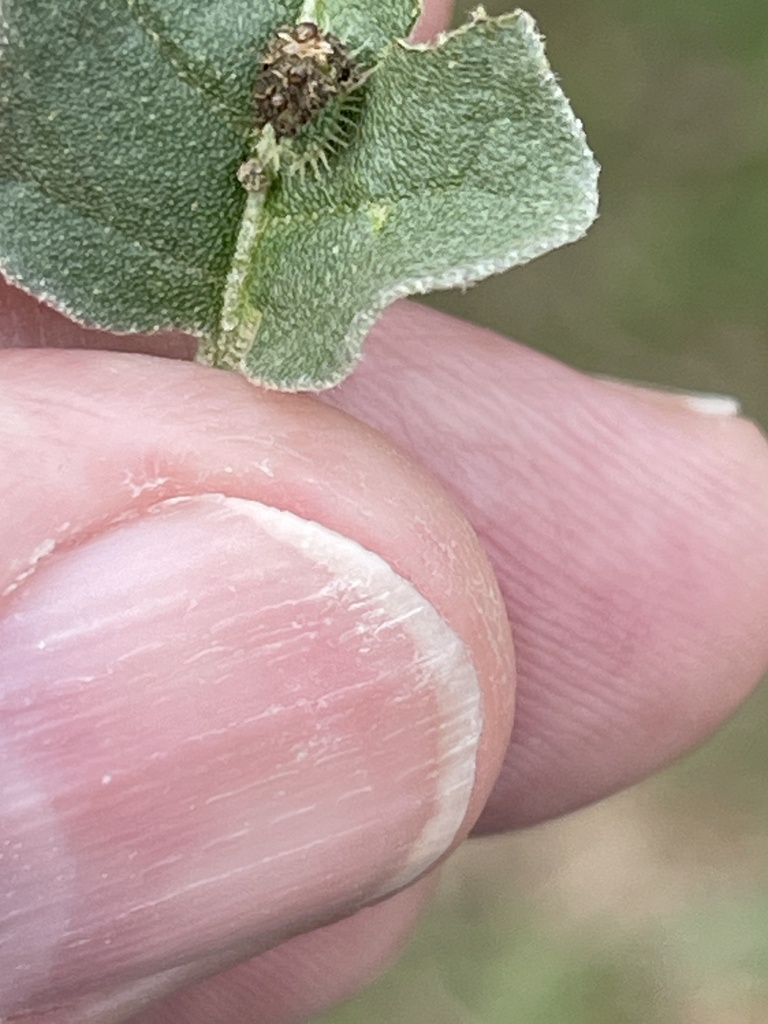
(368, 27)
(123, 126)
(119, 200)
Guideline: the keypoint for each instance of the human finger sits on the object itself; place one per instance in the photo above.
(254, 674)
(629, 534)
(304, 976)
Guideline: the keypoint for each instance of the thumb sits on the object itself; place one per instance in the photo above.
(254, 672)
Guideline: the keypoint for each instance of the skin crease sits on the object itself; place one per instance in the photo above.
(627, 532)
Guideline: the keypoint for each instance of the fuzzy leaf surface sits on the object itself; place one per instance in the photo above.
(123, 125)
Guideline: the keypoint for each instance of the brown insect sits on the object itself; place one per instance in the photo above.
(303, 69)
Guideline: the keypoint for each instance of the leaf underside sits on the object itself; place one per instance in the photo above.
(123, 125)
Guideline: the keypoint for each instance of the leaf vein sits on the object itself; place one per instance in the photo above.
(162, 258)
(197, 73)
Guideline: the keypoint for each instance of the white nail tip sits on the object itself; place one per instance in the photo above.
(444, 664)
(712, 405)
(703, 402)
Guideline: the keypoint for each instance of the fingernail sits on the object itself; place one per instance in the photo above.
(219, 721)
(704, 403)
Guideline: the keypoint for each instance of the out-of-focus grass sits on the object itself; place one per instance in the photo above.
(651, 908)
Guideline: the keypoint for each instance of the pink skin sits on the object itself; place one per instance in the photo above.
(170, 661)
(632, 643)
(627, 533)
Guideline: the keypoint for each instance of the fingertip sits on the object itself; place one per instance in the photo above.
(201, 527)
(435, 18)
(629, 537)
(306, 975)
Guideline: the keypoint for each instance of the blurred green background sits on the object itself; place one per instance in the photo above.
(651, 908)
